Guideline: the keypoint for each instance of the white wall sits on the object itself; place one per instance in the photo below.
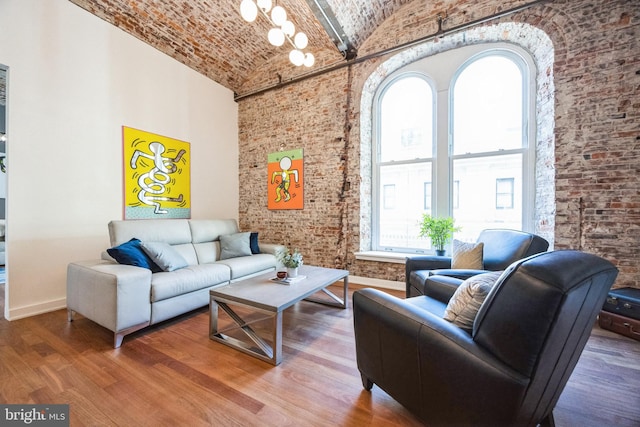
(74, 81)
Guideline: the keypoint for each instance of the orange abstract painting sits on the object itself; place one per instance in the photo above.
(286, 180)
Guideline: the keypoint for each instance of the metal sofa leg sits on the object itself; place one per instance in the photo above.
(119, 336)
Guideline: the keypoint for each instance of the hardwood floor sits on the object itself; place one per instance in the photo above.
(172, 374)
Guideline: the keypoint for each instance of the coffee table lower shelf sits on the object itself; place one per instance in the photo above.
(260, 294)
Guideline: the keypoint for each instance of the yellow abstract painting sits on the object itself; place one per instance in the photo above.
(157, 176)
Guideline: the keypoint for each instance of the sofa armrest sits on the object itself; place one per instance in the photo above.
(429, 364)
(271, 248)
(114, 296)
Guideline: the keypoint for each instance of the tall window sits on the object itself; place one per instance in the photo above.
(403, 158)
(459, 122)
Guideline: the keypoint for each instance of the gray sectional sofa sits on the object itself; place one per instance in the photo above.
(125, 298)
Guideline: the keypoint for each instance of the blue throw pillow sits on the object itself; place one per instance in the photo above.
(253, 243)
(131, 253)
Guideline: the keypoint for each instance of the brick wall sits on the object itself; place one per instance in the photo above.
(594, 143)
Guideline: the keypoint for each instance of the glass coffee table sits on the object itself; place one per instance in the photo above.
(261, 294)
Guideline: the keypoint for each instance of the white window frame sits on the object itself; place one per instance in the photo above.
(442, 170)
(376, 153)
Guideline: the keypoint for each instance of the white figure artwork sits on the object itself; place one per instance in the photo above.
(153, 183)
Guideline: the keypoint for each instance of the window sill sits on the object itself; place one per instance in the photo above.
(382, 256)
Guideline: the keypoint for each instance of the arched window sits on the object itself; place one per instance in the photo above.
(451, 138)
(490, 155)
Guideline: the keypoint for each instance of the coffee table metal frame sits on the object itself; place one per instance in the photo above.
(263, 295)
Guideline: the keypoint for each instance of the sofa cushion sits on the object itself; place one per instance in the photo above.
(235, 245)
(429, 304)
(467, 255)
(467, 299)
(131, 253)
(248, 265)
(164, 255)
(191, 278)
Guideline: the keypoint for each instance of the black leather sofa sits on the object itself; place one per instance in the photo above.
(511, 369)
(432, 275)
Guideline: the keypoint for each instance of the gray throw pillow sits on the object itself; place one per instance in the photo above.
(164, 255)
(235, 245)
(467, 299)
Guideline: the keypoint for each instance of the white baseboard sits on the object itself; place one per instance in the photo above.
(61, 303)
(35, 309)
(378, 283)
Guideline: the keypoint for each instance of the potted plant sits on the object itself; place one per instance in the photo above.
(438, 230)
(291, 260)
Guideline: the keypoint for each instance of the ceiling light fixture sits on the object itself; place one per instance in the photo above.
(283, 29)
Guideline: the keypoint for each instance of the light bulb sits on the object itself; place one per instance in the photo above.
(276, 37)
(278, 15)
(248, 10)
(296, 57)
(288, 28)
(301, 41)
(264, 5)
(309, 60)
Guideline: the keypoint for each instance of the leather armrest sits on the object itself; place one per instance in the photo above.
(424, 262)
(457, 273)
(429, 364)
(427, 262)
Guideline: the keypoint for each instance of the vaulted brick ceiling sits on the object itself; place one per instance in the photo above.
(211, 37)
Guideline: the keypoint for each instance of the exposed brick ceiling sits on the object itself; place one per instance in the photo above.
(211, 37)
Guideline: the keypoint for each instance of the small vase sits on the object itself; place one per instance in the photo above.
(292, 272)
(440, 252)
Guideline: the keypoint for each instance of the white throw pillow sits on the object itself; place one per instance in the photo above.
(467, 299)
(467, 256)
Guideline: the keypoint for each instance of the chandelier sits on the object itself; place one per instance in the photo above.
(283, 29)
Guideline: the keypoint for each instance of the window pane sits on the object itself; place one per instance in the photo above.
(504, 193)
(399, 226)
(477, 208)
(406, 116)
(426, 197)
(487, 106)
(389, 196)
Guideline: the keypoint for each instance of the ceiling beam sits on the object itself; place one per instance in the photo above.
(327, 18)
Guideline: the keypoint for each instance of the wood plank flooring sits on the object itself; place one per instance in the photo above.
(172, 375)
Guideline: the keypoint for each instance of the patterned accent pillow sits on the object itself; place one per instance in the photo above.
(467, 299)
(467, 256)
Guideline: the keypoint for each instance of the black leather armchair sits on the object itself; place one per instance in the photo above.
(511, 369)
(432, 275)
